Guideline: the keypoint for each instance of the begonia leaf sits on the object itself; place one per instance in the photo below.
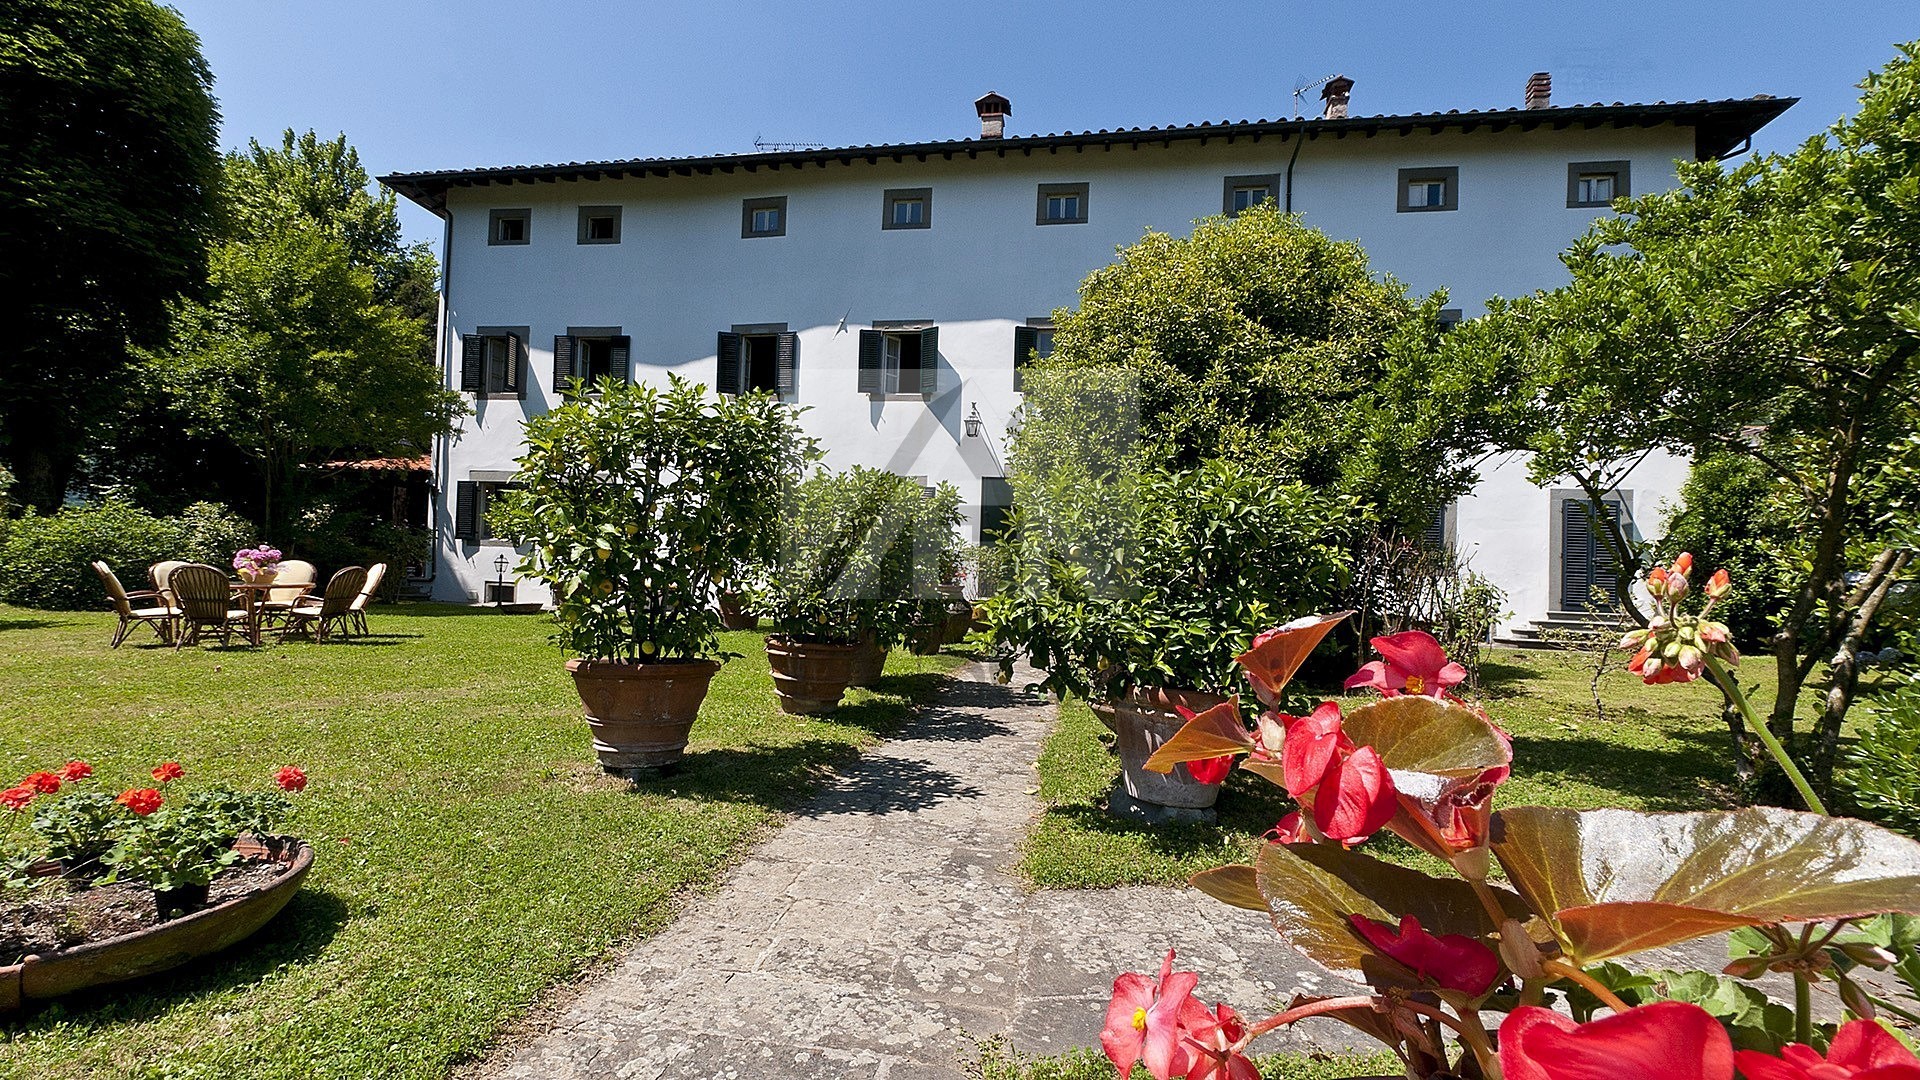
(1236, 884)
(1217, 732)
(1618, 881)
(1311, 890)
(1415, 733)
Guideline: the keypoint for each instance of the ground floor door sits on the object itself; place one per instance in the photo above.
(1588, 569)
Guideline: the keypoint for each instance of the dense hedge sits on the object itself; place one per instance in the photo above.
(44, 559)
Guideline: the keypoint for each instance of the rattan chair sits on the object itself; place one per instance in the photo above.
(156, 615)
(293, 581)
(159, 576)
(358, 609)
(207, 602)
(321, 614)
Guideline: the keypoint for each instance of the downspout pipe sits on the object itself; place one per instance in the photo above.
(1298, 140)
(443, 450)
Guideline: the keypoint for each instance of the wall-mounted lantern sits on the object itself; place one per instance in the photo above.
(973, 422)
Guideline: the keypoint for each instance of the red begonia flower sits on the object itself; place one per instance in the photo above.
(1667, 1040)
(1216, 1041)
(290, 779)
(1291, 830)
(1356, 799)
(42, 782)
(1411, 662)
(1861, 1050)
(1313, 744)
(1211, 770)
(16, 798)
(1145, 1021)
(1451, 815)
(168, 771)
(1450, 961)
(76, 770)
(142, 801)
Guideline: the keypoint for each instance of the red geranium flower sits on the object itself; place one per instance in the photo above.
(1667, 1040)
(45, 783)
(76, 770)
(17, 798)
(1145, 1021)
(1412, 662)
(142, 801)
(290, 779)
(168, 771)
(1861, 1049)
(1450, 961)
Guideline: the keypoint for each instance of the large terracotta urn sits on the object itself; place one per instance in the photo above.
(809, 677)
(868, 662)
(641, 714)
(1142, 720)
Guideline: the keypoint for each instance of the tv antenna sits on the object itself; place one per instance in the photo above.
(1301, 86)
(764, 146)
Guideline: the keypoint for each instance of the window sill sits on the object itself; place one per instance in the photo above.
(876, 396)
(1064, 221)
(499, 397)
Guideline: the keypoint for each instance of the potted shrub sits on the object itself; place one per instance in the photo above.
(635, 504)
(861, 556)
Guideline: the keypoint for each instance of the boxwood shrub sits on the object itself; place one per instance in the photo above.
(44, 561)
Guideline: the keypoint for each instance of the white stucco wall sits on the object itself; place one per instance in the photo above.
(682, 272)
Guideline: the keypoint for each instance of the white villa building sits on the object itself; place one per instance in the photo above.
(893, 289)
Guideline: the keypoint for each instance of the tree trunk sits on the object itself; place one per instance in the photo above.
(1844, 677)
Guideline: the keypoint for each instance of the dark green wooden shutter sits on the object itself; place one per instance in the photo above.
(996, 506)
(786, 350)
(466, 496)
(562, 363)
(516, 359)
(1025, 340)
(871, 342)
(1435, 536)
(473, 364)
(1586, 559)
(728, 379)
(929, 362)
(620, 359)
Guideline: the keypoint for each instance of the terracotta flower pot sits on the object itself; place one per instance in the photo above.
(1144, 719)
(868, 662)
(259, 577)
(810, 678)
(641, 714)
(163, 946)
(732, 617)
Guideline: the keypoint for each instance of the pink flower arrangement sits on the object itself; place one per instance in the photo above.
(257, 560)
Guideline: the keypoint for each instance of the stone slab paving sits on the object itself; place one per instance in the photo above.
(883, 932)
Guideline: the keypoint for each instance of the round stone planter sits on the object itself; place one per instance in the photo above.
(157, 948)
(809, 677)
(1144, 719)
(869, 661)
(640, 714)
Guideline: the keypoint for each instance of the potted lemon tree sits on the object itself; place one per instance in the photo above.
(634, 503)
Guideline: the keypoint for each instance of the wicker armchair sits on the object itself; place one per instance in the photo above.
(358, 609)
(154, 613)
(206, 602)
(160, 576)
(294, 580)
(335, 608)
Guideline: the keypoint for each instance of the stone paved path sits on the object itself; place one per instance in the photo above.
(883, 932)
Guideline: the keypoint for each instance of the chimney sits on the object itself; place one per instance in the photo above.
(1335, 93)
(993, 110)
(1540, 90)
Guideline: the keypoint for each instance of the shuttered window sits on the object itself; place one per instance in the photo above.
(584, 356)
(752, 359)
(1587, 563)
(900, 361)
(1030, 342)
(996, 507)
(493, 362)
(1435, 536)
(471, 501)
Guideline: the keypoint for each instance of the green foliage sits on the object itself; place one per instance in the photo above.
(337, 533)
(78, 827)
(999, 1061)
(639, 501)
(1881, 773)
(860, 551)
(110, 134)
(1258, 338)
(1753, 1021)
(45, 560)
(1729, 517)
(1159, 579)
(190, 839)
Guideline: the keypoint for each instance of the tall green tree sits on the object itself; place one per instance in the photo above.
(313, 340)
(1771, 313)
(108, 161)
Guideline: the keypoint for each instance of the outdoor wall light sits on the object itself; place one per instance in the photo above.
(973, 422)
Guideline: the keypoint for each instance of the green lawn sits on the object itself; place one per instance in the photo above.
(997, 1062)
(1658, 748)
(471, 853)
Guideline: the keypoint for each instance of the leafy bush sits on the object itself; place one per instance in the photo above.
(332, 535)
(862, 551)
(44, 561)
(1729, 517)
(639, 501)
(1882, 771)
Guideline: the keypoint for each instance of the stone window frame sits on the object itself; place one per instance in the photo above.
(1270, 181)
(765, 202)
(1449, 175)
(894, 195)
(1622, 171)
(587, 214)
(1080, 190)
(523, 214)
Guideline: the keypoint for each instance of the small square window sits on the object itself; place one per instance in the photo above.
(508, 227)
(1596, 183)
(907, 208)
(764, 217)
(1245, 192)
(599, 225)
(1429, 189)
(1449, 318)
(1062, 204)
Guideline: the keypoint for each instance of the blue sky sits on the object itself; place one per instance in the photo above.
(428, 84)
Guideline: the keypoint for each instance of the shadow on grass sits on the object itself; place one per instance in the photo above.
(27, 624)
(309, 921)
(1498, 679)
(1669, 778)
